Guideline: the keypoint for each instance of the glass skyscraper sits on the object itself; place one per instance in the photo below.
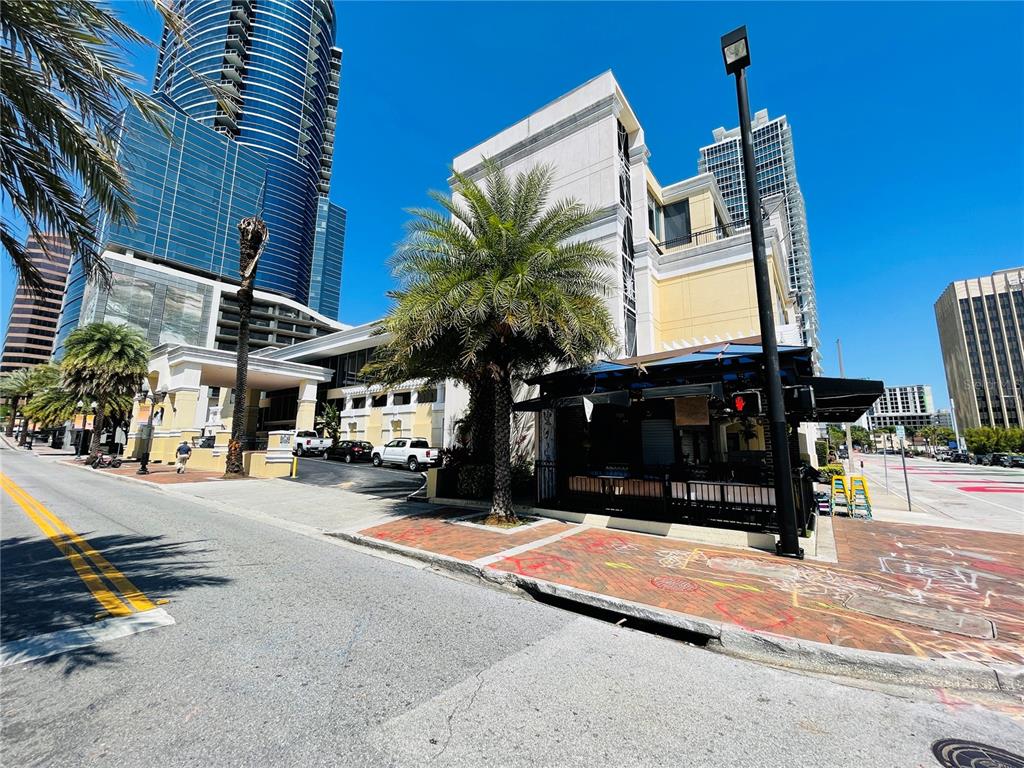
(776, 175)
(270, 153)
(277, 66)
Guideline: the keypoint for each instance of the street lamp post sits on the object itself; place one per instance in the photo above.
(154, 398)
(736, 53)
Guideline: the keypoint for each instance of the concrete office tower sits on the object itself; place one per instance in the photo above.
(776, 174)
(682, 275)
(32, 326)
(981, 328)
(277, 63)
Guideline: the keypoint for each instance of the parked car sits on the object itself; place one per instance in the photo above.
(411, 452)
(349, 451)
(1000, 460)
(984, 459)
(963, 457)
(1017, 460)
(309, 443)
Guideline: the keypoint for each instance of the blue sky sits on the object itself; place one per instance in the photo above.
(907, 123)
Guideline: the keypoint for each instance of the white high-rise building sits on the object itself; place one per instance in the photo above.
(776, 176)
(908, 406)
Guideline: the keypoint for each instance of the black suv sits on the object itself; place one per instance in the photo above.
(349, 451)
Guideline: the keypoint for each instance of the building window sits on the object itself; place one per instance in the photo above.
(677, 222)
(357, 402)
(402, 398)
(427, 396)
(379, 401)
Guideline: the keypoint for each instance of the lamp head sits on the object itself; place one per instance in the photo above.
(736, 50)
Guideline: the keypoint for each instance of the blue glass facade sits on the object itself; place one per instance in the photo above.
(276, 64)
(328, 254)
(189, 192)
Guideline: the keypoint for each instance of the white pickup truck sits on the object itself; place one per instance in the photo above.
(309, 443)
(411, 452)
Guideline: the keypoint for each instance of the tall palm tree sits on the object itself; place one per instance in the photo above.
(15, 386)
(494, 288)
(104, 363)
(64, 78)
(253, 234)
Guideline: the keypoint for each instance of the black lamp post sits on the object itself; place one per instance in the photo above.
(154, 398)
(736, 52)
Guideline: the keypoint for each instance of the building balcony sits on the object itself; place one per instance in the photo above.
(694, 239)
(224, 121)
(231, 72)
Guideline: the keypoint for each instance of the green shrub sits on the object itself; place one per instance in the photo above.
(821, 448)
(476, 481)
(832, 470)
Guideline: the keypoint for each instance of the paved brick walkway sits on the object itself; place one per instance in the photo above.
(916, 590)
(164, 474)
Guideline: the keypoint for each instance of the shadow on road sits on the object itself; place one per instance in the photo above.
(383, 482)
(41, 592)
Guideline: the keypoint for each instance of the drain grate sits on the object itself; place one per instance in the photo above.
(953, 753)
(923, 616)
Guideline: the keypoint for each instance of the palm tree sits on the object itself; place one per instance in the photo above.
(494, 289)
(15, 385)
(253, 234)
(104, 363)
(65, 79)
(330, 422)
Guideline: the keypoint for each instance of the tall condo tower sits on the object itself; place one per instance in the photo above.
(279, 72)
(776, 175)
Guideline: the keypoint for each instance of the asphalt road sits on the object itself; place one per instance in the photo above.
(947, 494)
(384, 482)
(292, 650)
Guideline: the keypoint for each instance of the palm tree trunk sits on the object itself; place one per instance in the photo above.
(501, 506)
(235, 464)
(12, 418)
(253, 234)
(97, 428)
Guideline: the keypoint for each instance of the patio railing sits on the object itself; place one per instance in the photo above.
(695, 502)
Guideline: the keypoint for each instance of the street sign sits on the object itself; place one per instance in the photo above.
(901, 432)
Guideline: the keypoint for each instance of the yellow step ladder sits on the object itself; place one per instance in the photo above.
(860, 496)
(840, 492)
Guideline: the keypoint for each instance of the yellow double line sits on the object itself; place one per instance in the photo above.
(91, 567)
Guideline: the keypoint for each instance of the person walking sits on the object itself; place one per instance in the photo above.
(184, 453)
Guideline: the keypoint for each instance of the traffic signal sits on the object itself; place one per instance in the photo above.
(747, 403)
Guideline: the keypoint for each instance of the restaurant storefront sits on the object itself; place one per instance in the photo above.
(680, 436)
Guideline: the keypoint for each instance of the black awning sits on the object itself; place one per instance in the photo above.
(841, 400)
(533, 405)
(619, 397)
(683, 390)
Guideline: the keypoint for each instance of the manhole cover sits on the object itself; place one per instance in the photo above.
(673, 584)
(953, 753)
(923, 616)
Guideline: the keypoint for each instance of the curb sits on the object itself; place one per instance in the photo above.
(733, 640)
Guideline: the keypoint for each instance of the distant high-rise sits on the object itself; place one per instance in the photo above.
(981, 333)
(909, 406)
(32, 326)
(776, 175)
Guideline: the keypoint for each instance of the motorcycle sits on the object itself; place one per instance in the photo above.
(105, 461)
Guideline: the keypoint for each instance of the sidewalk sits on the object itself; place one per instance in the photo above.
(916, 591)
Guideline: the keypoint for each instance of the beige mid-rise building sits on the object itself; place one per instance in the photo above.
(981, 328)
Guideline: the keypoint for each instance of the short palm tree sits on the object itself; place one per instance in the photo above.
(104, 363)
(330, 422)
(15, 386)
(494, 288)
